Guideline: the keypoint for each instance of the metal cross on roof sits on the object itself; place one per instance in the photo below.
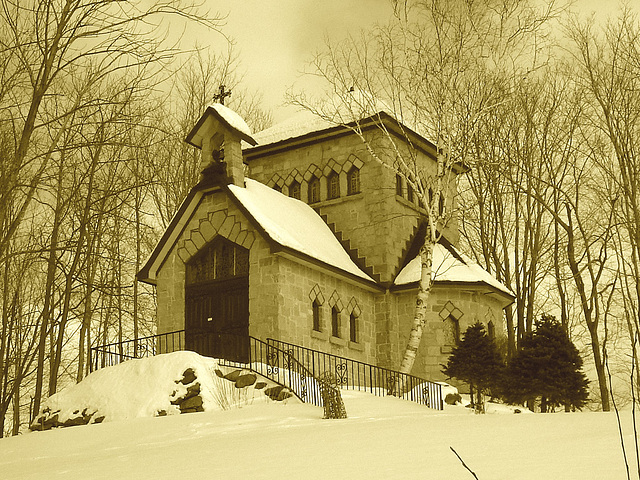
(221, 95)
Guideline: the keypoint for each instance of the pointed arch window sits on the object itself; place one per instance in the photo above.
(409, 193)
(314, 190)
(451, 331)
(333, 186)
(399, 190)
(353, 181)
(491, 329)
(220, 260)
(294, 190)
(315, 307)
(335, 322)
(353, 328)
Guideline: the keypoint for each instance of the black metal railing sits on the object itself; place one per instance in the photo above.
(356, 375)
(118, 352)
(287, 364)
(279, 366)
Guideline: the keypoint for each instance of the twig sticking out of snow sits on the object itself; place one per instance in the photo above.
(464, 464)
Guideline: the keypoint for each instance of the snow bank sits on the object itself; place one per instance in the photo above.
(145, 388)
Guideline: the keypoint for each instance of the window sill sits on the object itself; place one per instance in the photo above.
(446, 349)
(334, 201)
(356, 346)
(319, 335)
(337, 341)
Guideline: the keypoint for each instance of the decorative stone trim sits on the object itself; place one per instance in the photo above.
(353, 307)
(355, 161)
(316, 294)
(276, 180)
(338, 341)
(334, 301)
(356, 346)
(451, 310)
(217, 223)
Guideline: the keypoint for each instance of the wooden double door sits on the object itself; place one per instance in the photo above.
(217, 301)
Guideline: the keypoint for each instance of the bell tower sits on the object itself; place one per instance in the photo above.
(218, 134)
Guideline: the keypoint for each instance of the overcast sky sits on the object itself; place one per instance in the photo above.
(275, 39)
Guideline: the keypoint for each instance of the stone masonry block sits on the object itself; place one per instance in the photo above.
(183, 254)
(217, 218)
(197, 239)
(207, 230)
(242, 235)
(227, 226)
(190, 247)
(248, 241)
(235, 231)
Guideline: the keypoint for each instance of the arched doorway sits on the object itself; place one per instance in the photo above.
(217, 301)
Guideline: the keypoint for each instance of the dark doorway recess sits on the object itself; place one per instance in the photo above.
(217, 301)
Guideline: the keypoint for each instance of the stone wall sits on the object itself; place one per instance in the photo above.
(299, 285)
(466, 304)
(215, 215)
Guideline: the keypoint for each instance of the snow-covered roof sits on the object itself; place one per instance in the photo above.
(225, 115)
(295, 225)
(299, 124)
(450, 266)
(348, 109)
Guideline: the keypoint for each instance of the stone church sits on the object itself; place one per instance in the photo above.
(296, 233)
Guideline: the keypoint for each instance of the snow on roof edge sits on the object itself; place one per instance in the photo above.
(281, 218)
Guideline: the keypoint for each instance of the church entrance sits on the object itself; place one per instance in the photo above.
(217, 301)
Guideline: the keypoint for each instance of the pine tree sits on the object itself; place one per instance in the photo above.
(548, 366)
(476, 361)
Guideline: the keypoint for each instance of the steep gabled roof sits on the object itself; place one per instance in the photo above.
(227, 117)
(294, 225)
(289, 225)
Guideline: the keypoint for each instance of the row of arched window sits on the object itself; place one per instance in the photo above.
(411, 197)
(337, 311)
(314, 194)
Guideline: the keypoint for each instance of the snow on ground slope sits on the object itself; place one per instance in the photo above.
(382, 438)
(144, 387)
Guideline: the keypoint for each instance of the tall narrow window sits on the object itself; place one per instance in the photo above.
(451, 331)
(353, 181)
(294, 190)
(409, 193)
(333, 185)
(335, 322)
(491, 329)
(441, 204)
(399, 185)
(314, 190)
(353, 328)
(315, 306)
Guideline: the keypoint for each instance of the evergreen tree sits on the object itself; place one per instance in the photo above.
(476, 361)
(548, 366)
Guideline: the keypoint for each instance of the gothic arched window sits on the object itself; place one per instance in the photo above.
(491, 329)
(315, 307)
(335, 322)
(333, 186)
(353, 328)
(353, 181)
(451, 331)
(220, 260)
(314, 190)
(294, 190)
(399, 191)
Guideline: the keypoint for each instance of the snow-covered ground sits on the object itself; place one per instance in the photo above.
(382, 438)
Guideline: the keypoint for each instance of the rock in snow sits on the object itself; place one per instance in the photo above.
(168, 384)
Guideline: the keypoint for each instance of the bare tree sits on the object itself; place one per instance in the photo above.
(434, 68)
